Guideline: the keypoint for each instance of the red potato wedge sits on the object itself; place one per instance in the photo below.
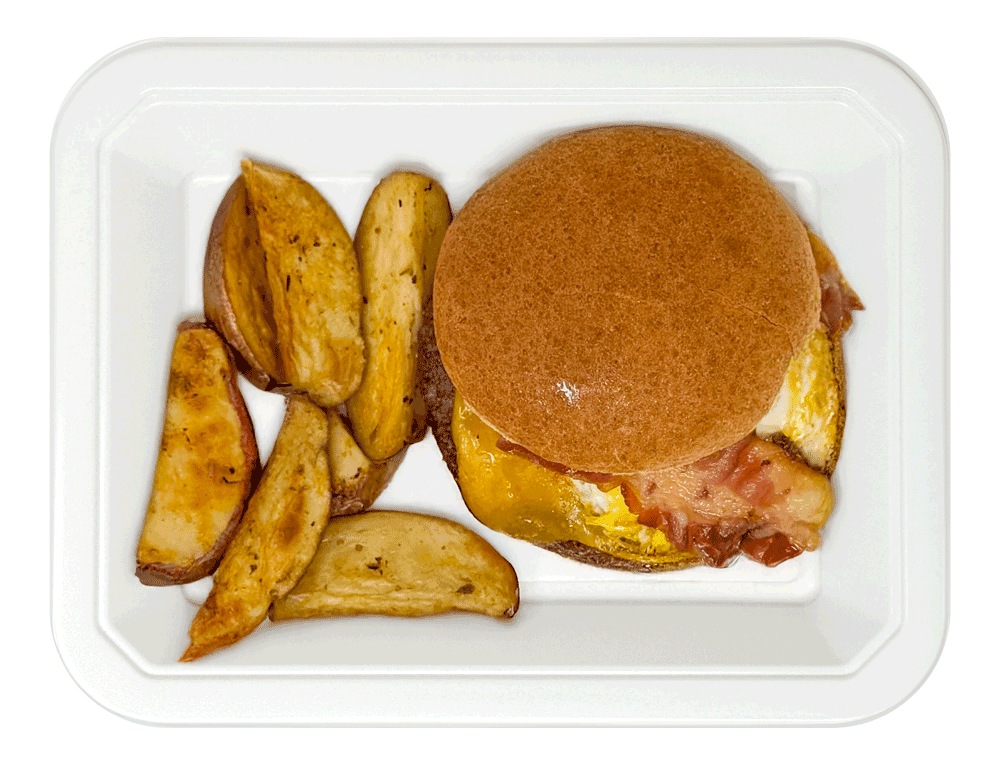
(402, 564)
(278, 535)
(281, 283)
(397, 243)
(236, 295)
(206, 467)
(357, 479)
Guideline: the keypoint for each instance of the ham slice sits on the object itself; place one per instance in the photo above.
(838, 300)
(751, 498)
(604, 480)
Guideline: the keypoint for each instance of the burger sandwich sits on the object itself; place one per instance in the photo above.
(633, 357)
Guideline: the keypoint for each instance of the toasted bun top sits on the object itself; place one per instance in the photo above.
(624, 298)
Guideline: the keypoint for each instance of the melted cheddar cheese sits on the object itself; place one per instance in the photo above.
(513, 495)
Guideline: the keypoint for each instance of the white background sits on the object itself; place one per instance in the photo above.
(951, 46)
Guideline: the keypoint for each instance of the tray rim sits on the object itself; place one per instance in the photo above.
(425, 44)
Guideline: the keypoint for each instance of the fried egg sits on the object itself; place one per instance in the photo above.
(808, 411)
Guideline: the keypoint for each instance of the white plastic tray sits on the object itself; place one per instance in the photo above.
(143, 151)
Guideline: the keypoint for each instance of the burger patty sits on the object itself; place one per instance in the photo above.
(436, 389)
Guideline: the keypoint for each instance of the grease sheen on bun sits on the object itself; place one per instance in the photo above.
(624, 298)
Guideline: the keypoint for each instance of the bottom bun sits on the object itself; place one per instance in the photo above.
(596, 558)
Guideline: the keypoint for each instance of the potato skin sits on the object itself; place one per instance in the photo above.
(252, 335)
(197, 347)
